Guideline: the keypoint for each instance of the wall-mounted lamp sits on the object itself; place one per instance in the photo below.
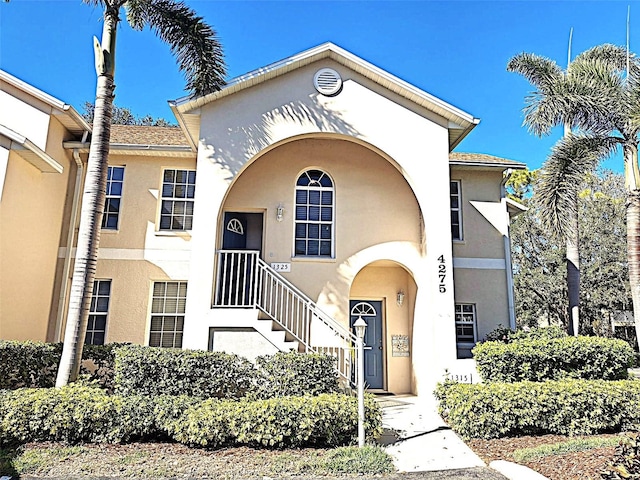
(400, 298)
(279, 212)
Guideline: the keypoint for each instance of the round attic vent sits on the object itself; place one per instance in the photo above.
(327, 81)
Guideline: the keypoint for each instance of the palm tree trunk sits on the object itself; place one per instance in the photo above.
(573, 276)
(632, 182)
(92, 207)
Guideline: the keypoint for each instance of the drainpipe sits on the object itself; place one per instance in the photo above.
(507, 253)
(71, 236)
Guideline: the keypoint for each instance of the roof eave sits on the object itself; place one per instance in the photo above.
(36, 156)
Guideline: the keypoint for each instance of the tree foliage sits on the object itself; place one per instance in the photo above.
(124, 116)
(539, 264)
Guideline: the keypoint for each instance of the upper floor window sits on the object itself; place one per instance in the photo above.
(314, 215)
(178, 192)
(456, 209)
(111, 215)
(466, 334)
(97, 325)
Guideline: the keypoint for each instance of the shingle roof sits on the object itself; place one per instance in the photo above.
(482, 159)
(145, 135)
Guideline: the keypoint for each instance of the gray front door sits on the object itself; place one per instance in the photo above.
(371, 312)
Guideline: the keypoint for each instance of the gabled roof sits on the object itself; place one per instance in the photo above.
(143, 140)
(483, 160)
(460, 122)
(64, 113)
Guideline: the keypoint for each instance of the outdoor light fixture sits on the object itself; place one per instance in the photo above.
(360, 326)
(279, 212)
(400, 298)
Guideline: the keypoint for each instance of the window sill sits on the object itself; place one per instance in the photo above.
(174, 233)
(110, 231)
(314, 259)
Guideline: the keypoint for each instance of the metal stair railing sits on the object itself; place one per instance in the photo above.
(245, 280)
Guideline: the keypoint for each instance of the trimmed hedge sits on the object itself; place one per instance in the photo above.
(163, 371)
(35, 364)
(87, 414)
(565, 407)
(549, 358)
(290, 374)
(166, 371)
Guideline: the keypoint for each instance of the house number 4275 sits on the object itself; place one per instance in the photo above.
(442, 274)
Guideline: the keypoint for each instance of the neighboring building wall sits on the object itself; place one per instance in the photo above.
(479, 259)
(32, 210)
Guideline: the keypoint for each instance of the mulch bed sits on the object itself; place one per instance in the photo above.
(585, 465)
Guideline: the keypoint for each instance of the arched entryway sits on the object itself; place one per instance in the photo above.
(383, 295)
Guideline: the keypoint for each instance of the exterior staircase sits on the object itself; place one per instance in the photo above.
(245, 281)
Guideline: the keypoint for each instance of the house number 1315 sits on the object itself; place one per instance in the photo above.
(442, 274)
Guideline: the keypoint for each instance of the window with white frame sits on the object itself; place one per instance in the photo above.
(466, 329)
(456, 209)
(314, 226)
(178, 192)
(111, 215)
(98, 312)
(167, 314)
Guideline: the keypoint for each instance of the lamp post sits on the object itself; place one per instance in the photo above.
(360, 326)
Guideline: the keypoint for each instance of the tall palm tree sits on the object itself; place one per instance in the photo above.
(199, 56)
(549, 79)
(600, 98)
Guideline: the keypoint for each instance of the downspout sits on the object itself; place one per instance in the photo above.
(507, 253)
(71, 237)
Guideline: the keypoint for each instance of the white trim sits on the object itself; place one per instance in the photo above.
(41, 160)
(479, 263)
(135, 254)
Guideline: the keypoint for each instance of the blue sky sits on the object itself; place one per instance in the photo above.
(456, 50)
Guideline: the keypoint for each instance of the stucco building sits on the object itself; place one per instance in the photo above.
(302, 196)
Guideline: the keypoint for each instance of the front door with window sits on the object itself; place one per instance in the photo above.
(242, 231)
(371, 312)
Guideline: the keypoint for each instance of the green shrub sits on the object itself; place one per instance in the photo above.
(328, 419)
(35, 364)
(367, 460)
(288, 374)
(626, 461)
(164, 371)
(539, 359)
(28, 364)
(565, 407)
(83, 414)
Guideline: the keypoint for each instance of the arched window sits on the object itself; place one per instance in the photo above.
(314, 215)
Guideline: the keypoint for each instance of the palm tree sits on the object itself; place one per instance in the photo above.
(199, 56)
(549, 79)
(600, 98)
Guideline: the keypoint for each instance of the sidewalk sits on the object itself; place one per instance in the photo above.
(420, 441)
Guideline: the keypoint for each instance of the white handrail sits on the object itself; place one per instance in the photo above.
(245, 280)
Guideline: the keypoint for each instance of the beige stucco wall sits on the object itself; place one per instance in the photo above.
(373, 205)
(32, 211)
(480, 238)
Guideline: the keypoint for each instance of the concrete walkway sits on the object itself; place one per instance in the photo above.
(420, 441)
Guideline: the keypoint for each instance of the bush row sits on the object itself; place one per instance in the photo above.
(137, 370)
(564, 407)
(87, 414)
(549, 358)
(161, 371)
(35, 364)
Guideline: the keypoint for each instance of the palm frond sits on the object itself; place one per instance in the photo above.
(561, 175)
(193, 42)
(539, 71)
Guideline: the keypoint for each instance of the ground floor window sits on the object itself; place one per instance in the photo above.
(167, 314)
(466, 329)
(97, 325)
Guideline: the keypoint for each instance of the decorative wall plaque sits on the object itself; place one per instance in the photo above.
(400, 345)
